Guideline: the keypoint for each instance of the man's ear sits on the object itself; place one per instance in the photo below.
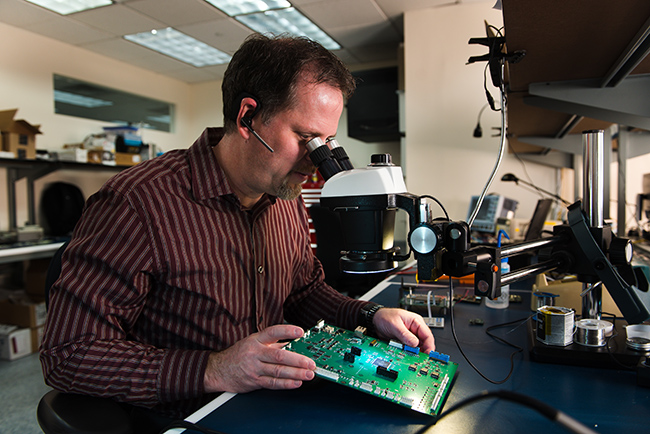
(247, 103)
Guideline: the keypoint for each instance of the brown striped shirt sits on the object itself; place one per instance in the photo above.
(164, 267)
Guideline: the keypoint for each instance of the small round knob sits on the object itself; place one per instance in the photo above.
(381, 160)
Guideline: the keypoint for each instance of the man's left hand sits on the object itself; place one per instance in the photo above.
(404, 326)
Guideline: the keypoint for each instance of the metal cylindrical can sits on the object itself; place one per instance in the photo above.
(555, 325)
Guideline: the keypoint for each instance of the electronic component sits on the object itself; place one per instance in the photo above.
(391, 371)
(444, 358)
(388, 373)
(435, 322)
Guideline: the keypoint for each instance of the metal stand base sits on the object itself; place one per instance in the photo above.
(615, 355)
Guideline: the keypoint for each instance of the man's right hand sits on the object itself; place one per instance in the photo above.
(259, 362)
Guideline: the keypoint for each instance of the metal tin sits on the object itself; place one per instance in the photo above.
(555, 325)
(638, 337)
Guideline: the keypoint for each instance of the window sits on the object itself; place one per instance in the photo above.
(73, 97)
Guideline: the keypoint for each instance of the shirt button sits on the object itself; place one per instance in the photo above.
(260, 269)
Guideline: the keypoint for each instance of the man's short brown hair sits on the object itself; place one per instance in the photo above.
(269, 68)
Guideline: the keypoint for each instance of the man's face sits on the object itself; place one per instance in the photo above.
(315, 113)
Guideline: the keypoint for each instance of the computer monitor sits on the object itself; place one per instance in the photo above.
(538, 220)
(493, 207)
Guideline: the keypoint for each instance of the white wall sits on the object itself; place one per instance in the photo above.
(443, 99)
(29, 60)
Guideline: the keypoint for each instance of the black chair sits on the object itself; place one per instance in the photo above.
(69, 413)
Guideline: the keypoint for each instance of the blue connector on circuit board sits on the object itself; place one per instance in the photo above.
(444, 358)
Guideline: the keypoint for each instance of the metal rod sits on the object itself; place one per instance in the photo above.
(515, 249)
(567, 127)
(593, 182)
(633, 54)
(593, 190)
(528, 271)
(623, 143)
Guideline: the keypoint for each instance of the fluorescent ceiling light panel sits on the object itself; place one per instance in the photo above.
(287, 20)
(238, 7)
(79, 100)
(65, 7)
(180, 46)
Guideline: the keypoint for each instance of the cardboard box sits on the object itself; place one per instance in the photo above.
(18, 136)
(23, 312)
(34, 277)
(126, 159)
(74, 154)
(15, 342)
(37, 338)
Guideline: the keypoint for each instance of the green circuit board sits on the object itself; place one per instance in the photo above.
(387, 370)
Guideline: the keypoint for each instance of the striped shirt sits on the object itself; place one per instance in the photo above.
(164, 267)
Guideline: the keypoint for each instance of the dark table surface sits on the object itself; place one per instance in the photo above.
(607, 400)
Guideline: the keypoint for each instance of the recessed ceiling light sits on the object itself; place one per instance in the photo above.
(65, 7)
(238, 7)
(180, 46)
(276, 17)
(287, 20)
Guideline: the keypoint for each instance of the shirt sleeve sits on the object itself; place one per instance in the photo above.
(105, 278)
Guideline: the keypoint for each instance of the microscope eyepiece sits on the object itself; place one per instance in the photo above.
(322, 157)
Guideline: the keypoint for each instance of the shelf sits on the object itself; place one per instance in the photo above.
(26, 251)
(31, 170)
(583, 60)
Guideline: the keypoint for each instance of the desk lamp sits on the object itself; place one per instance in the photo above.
(512, 177)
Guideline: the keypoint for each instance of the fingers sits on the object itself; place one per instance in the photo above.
(408, 327)
(279, 332)
(259, 361)
(275, 376)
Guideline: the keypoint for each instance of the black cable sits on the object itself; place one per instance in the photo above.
(190, 426)
(478, 371)
(544, 409)
(438, 202)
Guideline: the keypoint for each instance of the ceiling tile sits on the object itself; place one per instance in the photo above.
(355, 36)
(174, 13)
(67, 30)
(118, 48)
(226, 35)
(21, 13)
(394, 9)
(346, 57)
(375, 53)
(118, 20)
(342, 13)
(159, 62)
(369, 30)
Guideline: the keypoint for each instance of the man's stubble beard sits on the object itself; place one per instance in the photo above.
(288, 191)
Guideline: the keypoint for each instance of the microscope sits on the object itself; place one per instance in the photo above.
(367, 200)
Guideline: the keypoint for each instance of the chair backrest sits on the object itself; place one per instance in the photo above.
(53, 272)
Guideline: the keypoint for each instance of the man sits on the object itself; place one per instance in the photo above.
(186, 272)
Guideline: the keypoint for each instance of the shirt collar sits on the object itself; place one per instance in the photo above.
(208, 178)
